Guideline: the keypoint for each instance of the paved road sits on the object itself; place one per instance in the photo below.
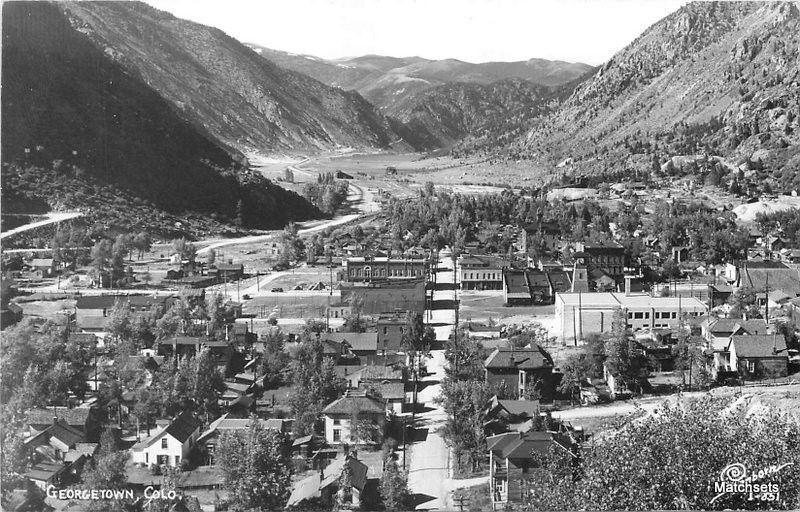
(52, 218)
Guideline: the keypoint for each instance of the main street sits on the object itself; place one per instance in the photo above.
(429, 470)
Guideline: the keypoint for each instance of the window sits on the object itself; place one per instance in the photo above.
(177, 460)
(337, 435)
(751, 366)
(674, 314)
(638, 315)
(647, 314)
(337, 421)
(164, 443)
(146, 457)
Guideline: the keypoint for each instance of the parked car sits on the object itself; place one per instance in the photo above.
(246, 296)
(277, 290)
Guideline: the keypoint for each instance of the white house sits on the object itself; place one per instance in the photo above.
(339, 416)
(170, 445)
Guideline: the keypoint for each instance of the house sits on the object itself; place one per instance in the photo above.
(390, 328)
(772, 275)
(207, 440)
(510, 415)
(43, 267)
(479, 272)
(759, 356)
(391, 392)
(511, 462)
(92, 313)
(718, 332)
(170, 445)
(79, 418)
(361, 344)
(515, 288)
(324, 485)
(374, 373)
(230, 271)
(340, 414)
(60, 453)
(517, 367)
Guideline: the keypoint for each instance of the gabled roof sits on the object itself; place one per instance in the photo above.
(183, 426)
(311, 486)
(388, 390)
(559, 280)
(526, 408)
(764, 346)
(519, 358)
(76, 417)
(518, 445)
(375, 372)
(732, 325)
(350, 404)
(229, 424)
(366, 341)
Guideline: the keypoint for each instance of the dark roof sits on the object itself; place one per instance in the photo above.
(76, 417)
(183, 426)
(70, 436)
(367, 341)
(537, 279)
(108, 301)
(559, 280)
(515, 281)
(379, 373)
(722, 325)
(517, 445)
(528, 408)
(350, 404)
(388, 390)
(771, 345)
(523, 358)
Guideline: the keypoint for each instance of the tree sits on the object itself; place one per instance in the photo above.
(576, 369)
(465, 404)
(292, 246)
(626, 363)
(208, 384)
(142, 242)
(394, 487)
(212, 257)
(670, 460)
(257, 468)
(107, 472)
(315, 384)
(101, 258)
(185, 249)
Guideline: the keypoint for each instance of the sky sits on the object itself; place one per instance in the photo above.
(589, 31)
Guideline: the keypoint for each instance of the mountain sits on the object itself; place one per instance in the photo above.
(486, 115)
(82, 128)
(713, 79)
(386, 81)
(220, 84)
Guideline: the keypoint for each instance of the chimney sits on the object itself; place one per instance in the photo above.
(627, 286)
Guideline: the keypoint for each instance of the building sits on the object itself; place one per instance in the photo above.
(718, 333)
(580, 314)
(340, 414)
(517, 367)
(170, 445)
(93, 312)
(511, 462)
(771, 275)
(532, 286)
(387, 297)
(208, 439)
(479, 272)
(759, 357)
(383, 268)
(362, 344)
(230, 271)
(510, 415)
(43, 267)
(324, 486)
(610, 258)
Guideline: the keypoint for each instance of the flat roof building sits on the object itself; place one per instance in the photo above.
(580, 314)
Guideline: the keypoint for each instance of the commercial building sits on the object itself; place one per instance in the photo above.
(580, 314)
(383, 268)
(385, 297)
(479, 272)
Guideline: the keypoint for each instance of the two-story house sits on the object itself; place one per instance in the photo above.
(342, 415)
(170, 445)
(518, 367)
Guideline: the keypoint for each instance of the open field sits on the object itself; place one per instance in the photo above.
(482, 305)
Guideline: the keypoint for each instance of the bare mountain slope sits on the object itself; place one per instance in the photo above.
(220, 84)
(719, 78)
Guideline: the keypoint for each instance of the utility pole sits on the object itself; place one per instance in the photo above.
(766, 298)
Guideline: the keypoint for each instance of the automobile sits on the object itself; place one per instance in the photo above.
(246, 296)
(277, 290)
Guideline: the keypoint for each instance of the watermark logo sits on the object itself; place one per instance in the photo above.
(150, 493)
(735, 479)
